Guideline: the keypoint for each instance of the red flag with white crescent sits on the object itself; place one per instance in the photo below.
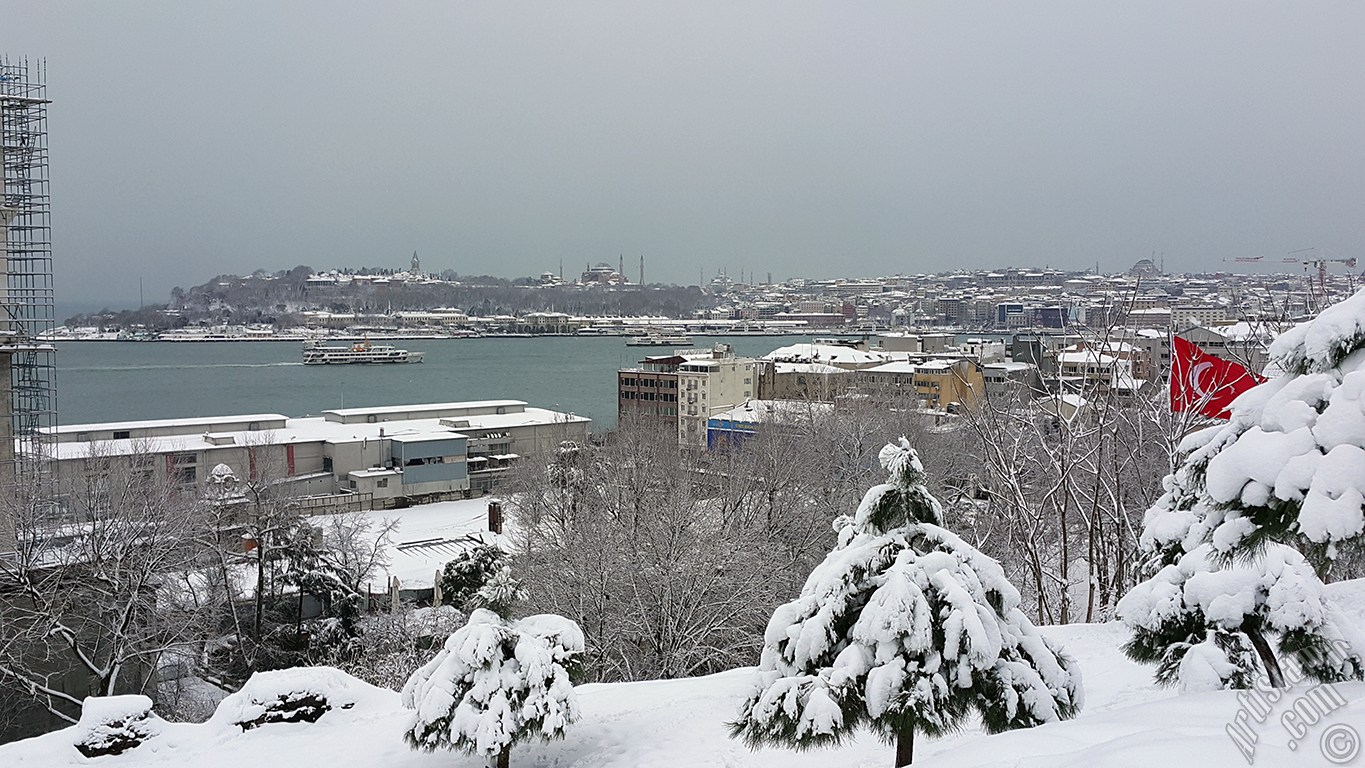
(1206, 382)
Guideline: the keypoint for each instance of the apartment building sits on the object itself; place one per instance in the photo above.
(680, 391)
(1247, 343)
(1110, 366)
(936, 384)
(1188, 316)
(711, 385)
(1009, 380)
(1021, 315)
(943, 385)
(650, 389)
(802, 381)
(984, 350)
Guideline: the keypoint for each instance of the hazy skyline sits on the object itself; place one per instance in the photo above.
(794, 139)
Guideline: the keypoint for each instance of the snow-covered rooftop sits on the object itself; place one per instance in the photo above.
(1086, 357)
(824, 353)
(770, 410)
(426, 538)
(390, 409)
(206, 421)
(807, 368)
(1009, 365)
(899, 366)
(316, 429)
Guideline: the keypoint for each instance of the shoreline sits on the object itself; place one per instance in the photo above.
(427, 337)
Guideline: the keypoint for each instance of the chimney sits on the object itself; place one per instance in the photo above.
(495, 516)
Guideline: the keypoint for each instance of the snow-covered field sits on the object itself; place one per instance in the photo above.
(1127, 721)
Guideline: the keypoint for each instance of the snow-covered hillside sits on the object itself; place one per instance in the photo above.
(1127, 721)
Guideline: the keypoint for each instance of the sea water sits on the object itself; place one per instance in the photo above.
(122, 381)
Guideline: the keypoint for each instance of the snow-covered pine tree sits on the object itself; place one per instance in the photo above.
(463, 577)
(905, 628)
(496, 682)
(1204, 623)
(1285, 473)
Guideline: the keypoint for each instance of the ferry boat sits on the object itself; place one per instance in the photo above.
(361, 352)
(658, 339)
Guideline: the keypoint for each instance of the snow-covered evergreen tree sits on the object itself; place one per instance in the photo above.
(1237, 606)
(1285, 473)
(463, 577)
(905, 628)
(495, 683)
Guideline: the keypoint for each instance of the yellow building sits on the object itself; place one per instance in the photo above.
(947, 384)
(935, 384)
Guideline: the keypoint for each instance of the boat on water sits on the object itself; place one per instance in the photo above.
(659, 339)
(360, 353)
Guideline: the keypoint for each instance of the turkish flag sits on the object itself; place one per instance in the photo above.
(1206, 382)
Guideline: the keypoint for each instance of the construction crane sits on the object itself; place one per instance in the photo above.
(1308, 259)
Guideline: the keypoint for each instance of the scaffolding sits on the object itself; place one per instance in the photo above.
(28, 405)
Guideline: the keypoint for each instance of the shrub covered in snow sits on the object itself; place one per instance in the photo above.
(1197, 605)
(495, 683)
(464, 576)
(903, 627)
(298, 695)
(112, 725)
(1286, 472)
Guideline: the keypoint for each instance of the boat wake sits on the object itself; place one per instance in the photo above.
(179, 367)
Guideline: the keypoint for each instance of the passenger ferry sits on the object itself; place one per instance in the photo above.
(361, 352)
(658, 339)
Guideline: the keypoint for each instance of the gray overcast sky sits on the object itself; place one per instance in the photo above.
(190, 139)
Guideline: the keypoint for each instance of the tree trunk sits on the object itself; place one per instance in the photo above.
(905, 747)
(503, 760)
(259, 618)
(1268, 660)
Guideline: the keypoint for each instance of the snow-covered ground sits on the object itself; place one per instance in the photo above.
(1127, 721)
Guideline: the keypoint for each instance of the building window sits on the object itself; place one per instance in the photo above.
(180, 467)
(382, 482)
(122, 434)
